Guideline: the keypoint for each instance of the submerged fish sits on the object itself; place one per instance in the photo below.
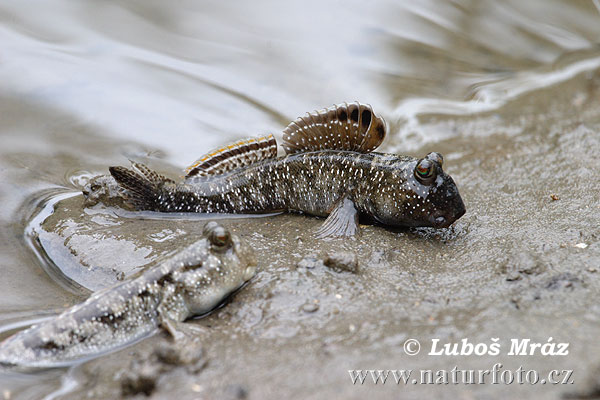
(329, 169)
(192, 282)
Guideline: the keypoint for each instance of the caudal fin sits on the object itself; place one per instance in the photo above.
(145, 188)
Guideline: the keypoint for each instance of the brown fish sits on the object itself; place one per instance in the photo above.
(330, 170)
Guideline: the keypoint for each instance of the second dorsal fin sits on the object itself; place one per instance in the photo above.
(239, 154)
(353, 127)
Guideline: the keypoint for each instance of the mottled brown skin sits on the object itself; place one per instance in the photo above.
(381, 186)
(329, 170)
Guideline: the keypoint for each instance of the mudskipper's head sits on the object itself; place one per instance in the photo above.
(231, 250)
(215, 267)
(420, 194)
(433, 198)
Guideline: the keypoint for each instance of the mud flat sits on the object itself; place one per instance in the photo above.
(523, 263)
(508, 92)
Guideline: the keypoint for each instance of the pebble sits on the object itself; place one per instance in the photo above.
(310, 307)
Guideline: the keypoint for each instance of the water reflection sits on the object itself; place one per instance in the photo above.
(204, 72)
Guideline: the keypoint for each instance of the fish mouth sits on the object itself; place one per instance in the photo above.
(441, 220)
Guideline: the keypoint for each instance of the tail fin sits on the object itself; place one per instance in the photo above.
(145, 188)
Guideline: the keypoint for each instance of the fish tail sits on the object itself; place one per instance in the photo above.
(40, 345)
(80, 333)
(146, 189)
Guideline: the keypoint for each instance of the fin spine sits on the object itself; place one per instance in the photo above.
(347, 126)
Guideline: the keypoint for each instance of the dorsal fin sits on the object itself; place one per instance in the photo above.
(353, 127)
(239, 154)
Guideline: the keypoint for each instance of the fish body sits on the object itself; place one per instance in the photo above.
(381, 186)
(330, 170)
(192, 282)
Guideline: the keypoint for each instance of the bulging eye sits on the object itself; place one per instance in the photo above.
(437, 157)
(220, 237)
(425, 171)
(217, 235)
(209, 227)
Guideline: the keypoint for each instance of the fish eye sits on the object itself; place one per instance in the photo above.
(437, 157)
(425, 171)
(219, 237)
(209, 227)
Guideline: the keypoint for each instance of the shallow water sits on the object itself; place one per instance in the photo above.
(507, 91)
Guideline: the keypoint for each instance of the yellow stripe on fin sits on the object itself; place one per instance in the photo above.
(235, 155)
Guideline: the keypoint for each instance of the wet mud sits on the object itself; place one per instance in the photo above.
(518, 123)
(522, 263)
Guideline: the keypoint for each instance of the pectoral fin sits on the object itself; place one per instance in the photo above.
(173, 327)
(342, 221)
(172, 312)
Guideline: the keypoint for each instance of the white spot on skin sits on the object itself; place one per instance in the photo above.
(120, 315)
